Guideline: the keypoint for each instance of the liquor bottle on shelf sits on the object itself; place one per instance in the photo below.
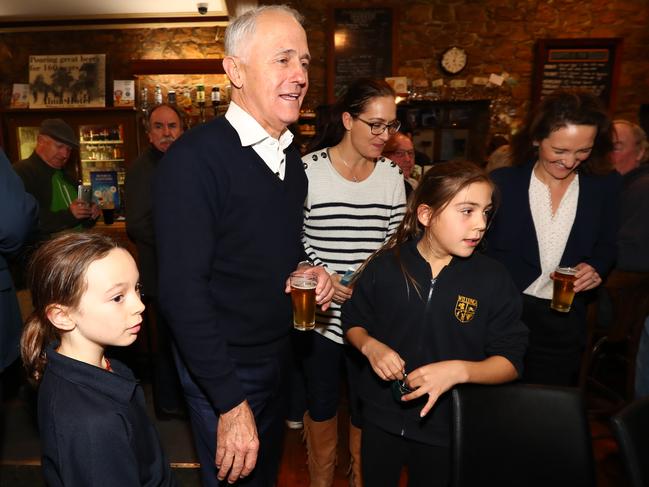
(171, 98)
(144, 100)
(101, 148)
(186, 104)
(157, 97)
(216, 99)
(200, 101)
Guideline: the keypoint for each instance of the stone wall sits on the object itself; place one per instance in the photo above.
(498, 35)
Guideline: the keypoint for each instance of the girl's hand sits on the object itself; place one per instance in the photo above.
(433, 379)
(385, 362)
(586, 277)
(341, 293)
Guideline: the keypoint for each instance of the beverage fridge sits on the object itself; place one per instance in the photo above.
(107, 140)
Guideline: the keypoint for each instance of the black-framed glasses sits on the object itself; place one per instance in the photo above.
(377, 128)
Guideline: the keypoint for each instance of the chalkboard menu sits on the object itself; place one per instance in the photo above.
(360, 45)
(577, 64)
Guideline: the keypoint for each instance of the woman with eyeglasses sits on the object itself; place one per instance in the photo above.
(355, 202)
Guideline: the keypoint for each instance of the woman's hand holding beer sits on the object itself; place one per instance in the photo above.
(586, 277)
(341, 292)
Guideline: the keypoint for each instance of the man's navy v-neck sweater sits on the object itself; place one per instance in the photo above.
(228, 235)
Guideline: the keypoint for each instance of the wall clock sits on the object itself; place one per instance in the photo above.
(453, 60)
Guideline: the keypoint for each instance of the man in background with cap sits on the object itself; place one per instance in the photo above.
(44, 177)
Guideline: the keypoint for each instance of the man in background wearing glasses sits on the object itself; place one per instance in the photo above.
(400, 149)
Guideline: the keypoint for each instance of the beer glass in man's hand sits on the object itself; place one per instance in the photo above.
(564, 289)
(303, 286)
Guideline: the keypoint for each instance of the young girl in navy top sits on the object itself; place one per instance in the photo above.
(92, 419)
(428, 314)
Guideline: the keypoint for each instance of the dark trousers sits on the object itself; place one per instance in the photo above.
(555, 343)
(297, 392)
(324, 361)
(384, 455)
(264, 379)
(322, 368)
(167, 392)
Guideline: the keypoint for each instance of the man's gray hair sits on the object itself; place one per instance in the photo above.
(242, 27)
(640, 137)
(149, 113)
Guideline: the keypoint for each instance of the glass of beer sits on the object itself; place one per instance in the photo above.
(564, 292)
(303, 298)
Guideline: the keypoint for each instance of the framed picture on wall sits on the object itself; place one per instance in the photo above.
(67, 81)
(578, 64)
(361, 44)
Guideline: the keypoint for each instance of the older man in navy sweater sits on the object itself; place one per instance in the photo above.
(228, 217)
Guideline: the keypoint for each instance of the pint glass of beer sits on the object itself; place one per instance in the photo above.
(303, 298)
(564, 292)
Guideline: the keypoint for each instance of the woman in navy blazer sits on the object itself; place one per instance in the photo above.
(558, 206)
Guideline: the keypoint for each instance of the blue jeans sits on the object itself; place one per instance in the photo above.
(642, 364)
(264, 380)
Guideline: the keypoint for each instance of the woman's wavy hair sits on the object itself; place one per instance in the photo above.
(353, 101)
(558, 110)
(56, 274)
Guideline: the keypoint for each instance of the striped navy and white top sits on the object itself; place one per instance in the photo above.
(344, 221)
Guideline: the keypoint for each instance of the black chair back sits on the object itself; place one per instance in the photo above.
(628, 297)
(631, 427)
(518, 434)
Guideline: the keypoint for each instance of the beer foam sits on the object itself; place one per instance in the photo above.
(568, 271)
(305, 284)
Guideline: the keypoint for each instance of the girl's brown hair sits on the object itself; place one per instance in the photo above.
(56, 275)
(437, 188)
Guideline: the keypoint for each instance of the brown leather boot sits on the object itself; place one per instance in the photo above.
(355, 472)
(321, 439)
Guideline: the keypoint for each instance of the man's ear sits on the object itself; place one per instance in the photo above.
(231, 67)
(424, 214)
(59, 316)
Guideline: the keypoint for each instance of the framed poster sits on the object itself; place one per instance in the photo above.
(361, 43)
(67, 81)
(577, 64)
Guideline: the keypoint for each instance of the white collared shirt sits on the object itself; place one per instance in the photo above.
(552, 230)
(253, 134)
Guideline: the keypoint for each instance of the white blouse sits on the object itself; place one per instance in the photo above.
(552, 230)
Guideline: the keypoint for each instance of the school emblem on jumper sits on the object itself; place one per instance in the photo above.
(465, 308)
